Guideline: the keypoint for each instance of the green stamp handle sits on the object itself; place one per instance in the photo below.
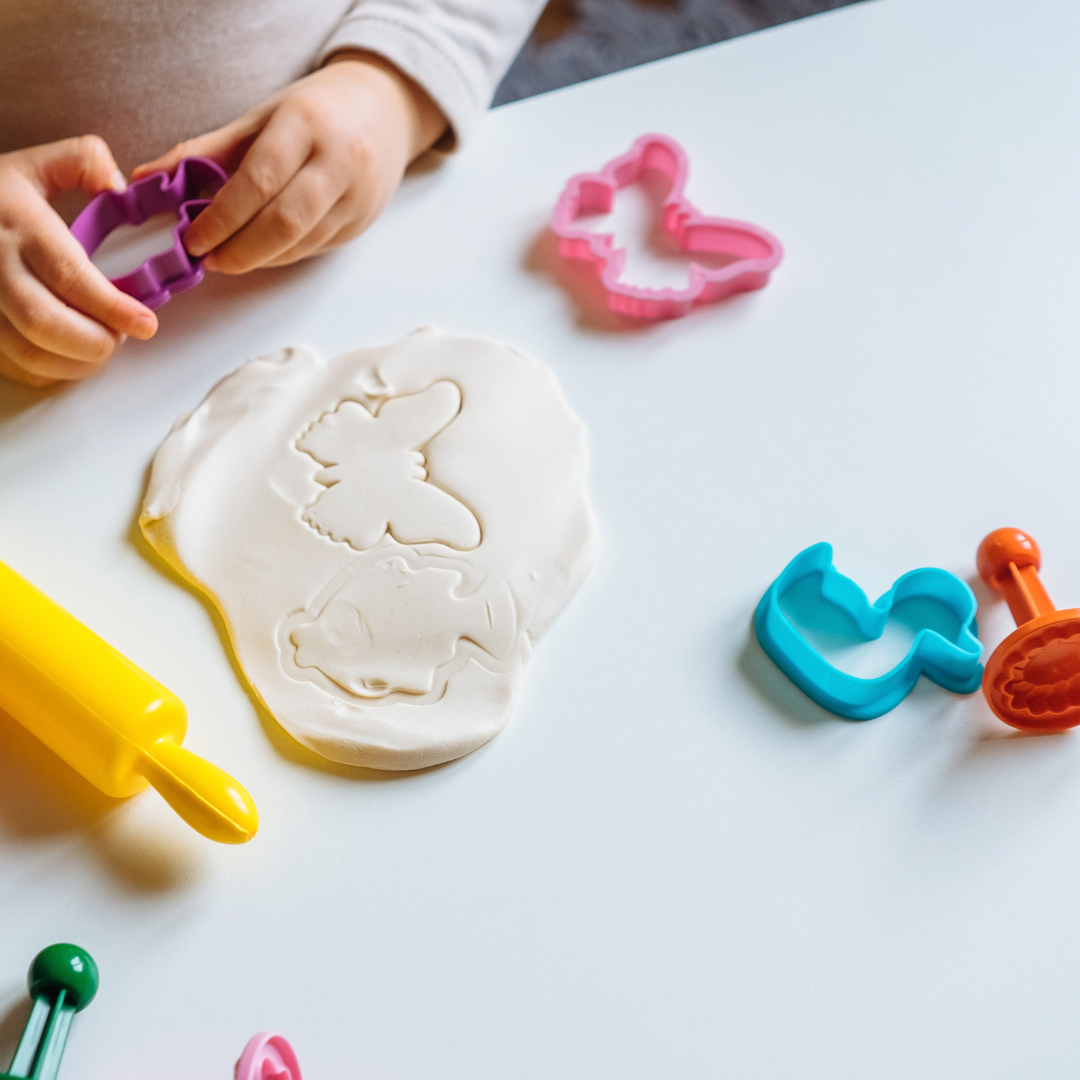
(63, 980)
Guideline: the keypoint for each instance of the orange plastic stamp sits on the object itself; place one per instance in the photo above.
(1032, 681)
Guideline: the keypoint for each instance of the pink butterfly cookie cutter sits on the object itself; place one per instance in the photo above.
(754, 251)
(267, 1057)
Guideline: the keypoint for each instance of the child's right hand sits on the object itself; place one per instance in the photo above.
(60, 318)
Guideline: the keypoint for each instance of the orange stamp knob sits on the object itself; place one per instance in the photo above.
(1032, 680)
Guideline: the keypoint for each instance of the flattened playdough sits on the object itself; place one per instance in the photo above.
(386, 535)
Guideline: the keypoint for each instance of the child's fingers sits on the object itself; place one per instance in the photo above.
(84, 162)
(274, 158)
(281, 224)
(26, 362)
(46, 322)
(12, 371)
(63, 267)
(337, 227)
(225, 145)
(312, 244)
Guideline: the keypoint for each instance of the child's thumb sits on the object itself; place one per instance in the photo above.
(84, 162)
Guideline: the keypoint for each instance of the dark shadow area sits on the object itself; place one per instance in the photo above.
(784, 698)
(984, 595)
(15, 398)
(581, 283)
(215, 300)
(39, 794)
(1036, 767)
(430, 161)
(1004, 734)
(146, 860)
(575, 40)
(42, 797)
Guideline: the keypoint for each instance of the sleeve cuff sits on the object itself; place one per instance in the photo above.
(424, 60)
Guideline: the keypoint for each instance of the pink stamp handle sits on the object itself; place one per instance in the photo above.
(187, 192)
(267, 1057)
(755, 252)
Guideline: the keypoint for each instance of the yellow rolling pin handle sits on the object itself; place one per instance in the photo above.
(109, 720)
(206, 797)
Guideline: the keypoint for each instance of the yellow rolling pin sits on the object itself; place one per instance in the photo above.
(105, 717)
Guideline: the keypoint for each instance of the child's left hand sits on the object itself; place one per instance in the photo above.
(310, 168)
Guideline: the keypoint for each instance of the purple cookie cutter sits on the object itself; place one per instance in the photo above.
(185, 194)
(755, 252)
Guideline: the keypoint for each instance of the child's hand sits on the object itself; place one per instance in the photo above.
(60, 318)
(314, 165)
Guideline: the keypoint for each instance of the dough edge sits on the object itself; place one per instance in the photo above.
(367, 741)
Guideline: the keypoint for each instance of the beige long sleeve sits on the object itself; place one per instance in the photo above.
(457, 50)
(145, 74)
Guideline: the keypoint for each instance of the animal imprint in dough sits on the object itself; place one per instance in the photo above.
(386, 535)
(375, 476)
(355, 640)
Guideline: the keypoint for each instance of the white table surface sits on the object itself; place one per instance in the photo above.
(670, 864)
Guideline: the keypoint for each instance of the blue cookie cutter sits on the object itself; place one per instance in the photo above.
(952, 665)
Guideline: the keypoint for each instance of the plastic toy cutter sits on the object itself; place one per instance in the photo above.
(953, 665)
(185, 194)
(267, 1057)
(109, 720)
(754, 252)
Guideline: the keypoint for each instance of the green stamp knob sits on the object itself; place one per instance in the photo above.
(67, 968)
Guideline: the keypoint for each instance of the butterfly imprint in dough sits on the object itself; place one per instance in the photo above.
(376, 476)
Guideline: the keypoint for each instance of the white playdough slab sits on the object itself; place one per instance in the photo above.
(385, 535)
